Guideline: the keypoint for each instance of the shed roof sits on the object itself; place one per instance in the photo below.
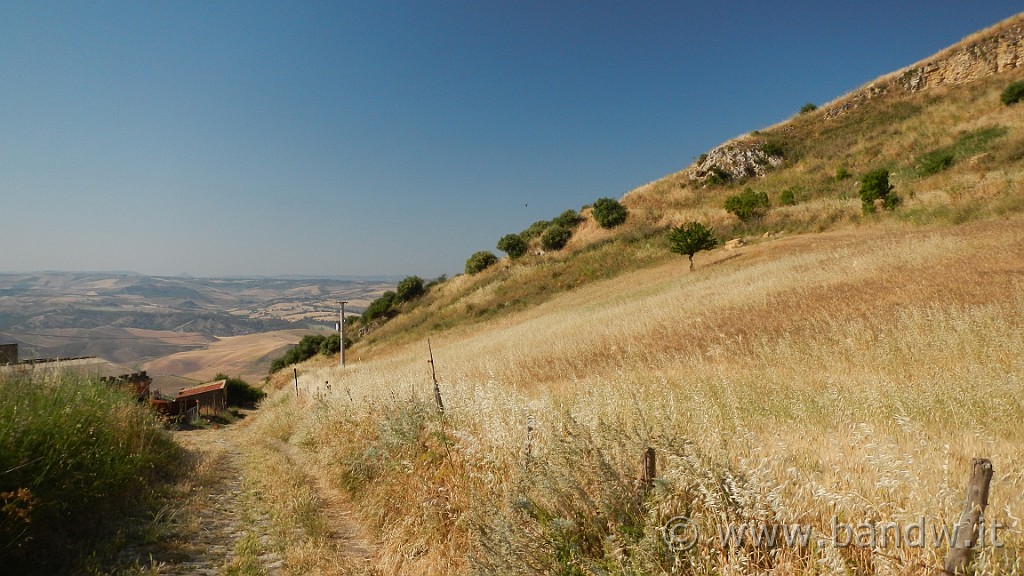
(202, 389)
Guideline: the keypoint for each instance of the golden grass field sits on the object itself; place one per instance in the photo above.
(247, 357)
(851, 374)
(836, 376)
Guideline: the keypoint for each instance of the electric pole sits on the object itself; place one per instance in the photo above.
(341, 331)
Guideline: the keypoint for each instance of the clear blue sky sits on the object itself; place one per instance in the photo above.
(369, 138)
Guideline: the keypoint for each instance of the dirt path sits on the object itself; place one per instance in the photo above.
(228, 520)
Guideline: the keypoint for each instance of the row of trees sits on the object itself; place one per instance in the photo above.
(551, 234)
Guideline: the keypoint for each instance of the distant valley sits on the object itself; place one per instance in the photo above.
(133, 319)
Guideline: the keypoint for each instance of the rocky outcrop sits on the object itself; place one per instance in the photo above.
(993, 51)
(735, 160)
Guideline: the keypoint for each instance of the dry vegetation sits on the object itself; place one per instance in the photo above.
(840, 368)
(850, 374)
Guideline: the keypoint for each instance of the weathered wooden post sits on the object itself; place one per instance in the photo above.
(433, 376)
(295, 372)
(966, 531)
(650, 470)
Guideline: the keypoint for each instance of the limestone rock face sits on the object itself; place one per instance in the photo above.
(992, 52)
(734, 161)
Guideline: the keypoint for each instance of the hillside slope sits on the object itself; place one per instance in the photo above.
(955, 153)
(835, 375)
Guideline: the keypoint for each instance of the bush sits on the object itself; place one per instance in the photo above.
(748, 204)
(773, 149)
(1013, 93)
(691, 238)
(410, 288)
(875, 188)
(934, 162)
(240, 392)
(480, 261)
(788, 197)
(382, 307)
(79, 460)
(513, 245)
(331, 345)
(809, 107)
(609, 212)
(842, 173)
(535, 230)
(568, 219)
(308, 347)
(718, 177)
(555, 237)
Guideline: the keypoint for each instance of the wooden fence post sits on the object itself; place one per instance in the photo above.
(295, 372)
(650, 470)
(433, 376)
(966, 531)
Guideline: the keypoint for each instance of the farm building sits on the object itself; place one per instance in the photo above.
(209, 398)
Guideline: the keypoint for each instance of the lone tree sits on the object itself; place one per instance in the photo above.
(691, 238)
(876, 191)
(513, 245)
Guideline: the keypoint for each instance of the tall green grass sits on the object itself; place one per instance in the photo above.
(78, 458)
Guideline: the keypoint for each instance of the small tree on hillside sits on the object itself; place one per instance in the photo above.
(513, 245)
(876, 191)
(568, 219)
(480, 261)
(609, 212)
(410, 288)
(555, 237)
(691, 238)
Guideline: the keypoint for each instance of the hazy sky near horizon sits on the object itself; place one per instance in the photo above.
(391, 138)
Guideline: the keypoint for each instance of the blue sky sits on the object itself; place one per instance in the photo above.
(390, 138)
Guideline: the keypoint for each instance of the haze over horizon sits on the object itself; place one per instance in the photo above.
(384, 139)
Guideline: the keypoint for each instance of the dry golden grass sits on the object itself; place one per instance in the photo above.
(850, 374)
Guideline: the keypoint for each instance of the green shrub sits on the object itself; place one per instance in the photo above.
(240, 392)
(513, 245)
(79, 459)
(609, 212)
(535, 230)
(809, 107)
(555, 237)
(691, 238)
(875, 186)
(330, 345)
(480, 261)
(788, 197)
(748, 204)
(384, 307)
(568, 219)
(1013, 93)
(410, 288)
(773, 149)
(308, 347)
(934, 162)
(718, 177)
(842, 173)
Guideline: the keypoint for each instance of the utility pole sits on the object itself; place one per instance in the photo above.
(341, 331)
